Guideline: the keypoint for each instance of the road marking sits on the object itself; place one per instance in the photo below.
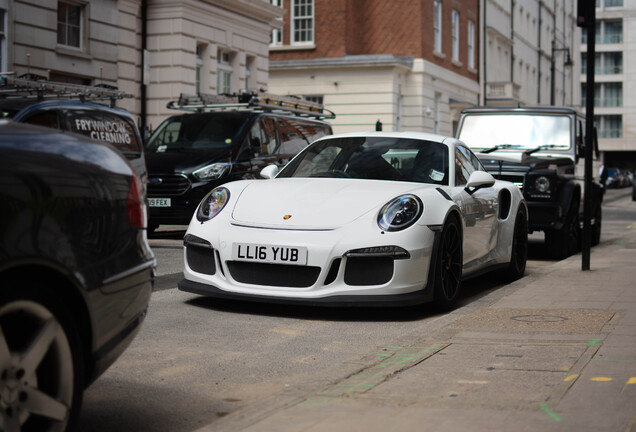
(601, 379)
(571, 377)
(632, 380)
(593, 342)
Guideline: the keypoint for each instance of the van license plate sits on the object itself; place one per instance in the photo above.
(296, 255)
(159, 202)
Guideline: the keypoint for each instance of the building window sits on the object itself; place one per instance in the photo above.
(69, 24)
(455, 34)
(302, 22)
(608, 94)
(198, 68)
(611, 3)
(437, 25)
(3, 40)
(249, 72)
(471, 44)
(224, 73)
(609, 126)
(276, 38)
(606, 63)
(607, 32)
(314, 98)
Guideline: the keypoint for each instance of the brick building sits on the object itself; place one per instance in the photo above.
(411, 64)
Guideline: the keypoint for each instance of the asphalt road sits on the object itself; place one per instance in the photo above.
(196, 360)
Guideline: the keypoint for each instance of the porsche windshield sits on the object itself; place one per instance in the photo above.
(520, 132)
(197, 132)
(377, 158)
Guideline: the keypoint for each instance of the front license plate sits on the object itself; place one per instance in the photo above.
(159, 202)
(269, 253)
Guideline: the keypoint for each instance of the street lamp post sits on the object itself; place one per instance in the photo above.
(567, 62)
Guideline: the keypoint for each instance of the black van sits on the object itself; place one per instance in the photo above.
(190, 154)
(69, 107)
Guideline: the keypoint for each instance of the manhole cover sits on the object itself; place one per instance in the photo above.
(578, 320)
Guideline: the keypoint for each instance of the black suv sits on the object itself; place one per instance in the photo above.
(72, 108)
(539, 149)
(190, 154)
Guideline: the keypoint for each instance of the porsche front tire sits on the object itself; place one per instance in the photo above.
(448, 267)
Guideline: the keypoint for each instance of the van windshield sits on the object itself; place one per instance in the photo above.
(516, 131)
(197, 132)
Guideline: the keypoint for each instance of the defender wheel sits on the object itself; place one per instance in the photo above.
(566, 241)
(519, 253)
(41, 367)
(448, 267)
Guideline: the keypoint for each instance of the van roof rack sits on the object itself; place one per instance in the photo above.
(31, 86)
(251, 101)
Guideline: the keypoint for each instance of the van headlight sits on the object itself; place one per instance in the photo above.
(400, 213)
(212, 172)
(212, 204)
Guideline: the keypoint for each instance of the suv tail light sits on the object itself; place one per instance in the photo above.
(136, 205)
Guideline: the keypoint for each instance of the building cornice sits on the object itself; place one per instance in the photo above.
(367, 60)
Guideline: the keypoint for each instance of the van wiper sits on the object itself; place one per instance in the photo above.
(501, 147)
(541, 147)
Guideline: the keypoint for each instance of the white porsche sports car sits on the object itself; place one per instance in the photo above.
(358, 219)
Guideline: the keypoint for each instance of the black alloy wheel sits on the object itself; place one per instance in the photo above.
(41, 366)
(519, 253)
(448, 267)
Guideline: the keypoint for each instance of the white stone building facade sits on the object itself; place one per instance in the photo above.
(189, 45)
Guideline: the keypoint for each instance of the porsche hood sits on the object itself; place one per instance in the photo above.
(314, 203)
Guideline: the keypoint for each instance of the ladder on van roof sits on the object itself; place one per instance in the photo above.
(37, 87)
(251, 101)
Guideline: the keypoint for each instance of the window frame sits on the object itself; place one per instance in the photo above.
(471, 44)
(437, 26)
(296, 18)
(276, 37)
(224, 72)
(455, 35)
(80, 25)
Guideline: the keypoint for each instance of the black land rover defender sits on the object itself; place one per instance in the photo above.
(538, 149)
(220, 139)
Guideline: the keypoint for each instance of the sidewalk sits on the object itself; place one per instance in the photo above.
(554, 351)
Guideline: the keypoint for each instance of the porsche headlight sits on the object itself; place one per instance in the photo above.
(211, 172)
(212, 204)
(400, 213)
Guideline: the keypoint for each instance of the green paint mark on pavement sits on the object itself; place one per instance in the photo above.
(546, 409)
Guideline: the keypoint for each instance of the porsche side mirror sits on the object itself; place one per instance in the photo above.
(478, 180)
(269, 172)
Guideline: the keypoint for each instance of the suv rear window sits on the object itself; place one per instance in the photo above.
(102, 126)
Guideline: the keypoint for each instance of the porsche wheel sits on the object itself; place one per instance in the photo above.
(519, 253)
(448, 267)
(40, 364)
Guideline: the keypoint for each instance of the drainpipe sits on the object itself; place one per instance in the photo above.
(144, 79)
